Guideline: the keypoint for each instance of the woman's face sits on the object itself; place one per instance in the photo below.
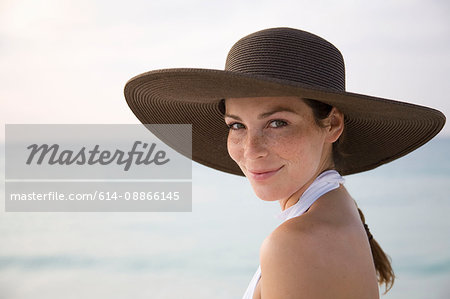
(277, 144)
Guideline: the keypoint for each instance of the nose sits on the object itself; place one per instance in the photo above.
(255, 145)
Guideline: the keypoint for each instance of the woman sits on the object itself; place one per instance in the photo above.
(279, 114)
(282, 154)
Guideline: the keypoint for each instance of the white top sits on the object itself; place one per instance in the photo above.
(325, 182)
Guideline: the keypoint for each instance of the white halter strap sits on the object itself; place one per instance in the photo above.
(325, 182)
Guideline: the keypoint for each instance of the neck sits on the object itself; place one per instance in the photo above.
(327, 164)
(324, 183)
(294, 198)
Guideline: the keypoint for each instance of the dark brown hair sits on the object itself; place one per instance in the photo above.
(382, 262)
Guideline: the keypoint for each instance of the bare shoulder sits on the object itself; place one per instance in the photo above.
(304, 258)
(294, 261)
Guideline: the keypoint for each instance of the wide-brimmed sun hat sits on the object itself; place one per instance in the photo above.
(277, 62)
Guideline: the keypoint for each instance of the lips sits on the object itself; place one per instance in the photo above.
(260, 175)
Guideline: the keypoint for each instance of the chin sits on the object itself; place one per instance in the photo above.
(267, 195)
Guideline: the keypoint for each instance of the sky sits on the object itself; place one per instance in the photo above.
(68, 61)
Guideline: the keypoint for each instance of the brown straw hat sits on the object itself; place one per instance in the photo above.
(278, 62)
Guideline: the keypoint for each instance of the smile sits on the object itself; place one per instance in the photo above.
(259, 176)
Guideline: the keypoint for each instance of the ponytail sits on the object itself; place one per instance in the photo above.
(382, 262)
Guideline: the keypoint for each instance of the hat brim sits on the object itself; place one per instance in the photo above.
(377, 130)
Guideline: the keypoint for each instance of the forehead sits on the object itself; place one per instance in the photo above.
(256, 104)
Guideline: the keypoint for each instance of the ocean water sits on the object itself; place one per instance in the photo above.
(212, 252)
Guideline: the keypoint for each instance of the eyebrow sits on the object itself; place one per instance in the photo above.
(266, 114)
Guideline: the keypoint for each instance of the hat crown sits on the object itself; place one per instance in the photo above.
(289, 54)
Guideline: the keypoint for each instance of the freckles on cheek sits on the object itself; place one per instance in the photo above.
(233, 149)
(300, 153)
(291, 147)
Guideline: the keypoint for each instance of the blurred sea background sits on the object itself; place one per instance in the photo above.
(213, 251)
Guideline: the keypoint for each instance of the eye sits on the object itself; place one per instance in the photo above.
(235, 126)
(277, 123)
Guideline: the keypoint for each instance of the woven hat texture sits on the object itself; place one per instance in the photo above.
(278, 62)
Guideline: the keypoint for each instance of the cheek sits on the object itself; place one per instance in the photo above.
(302, 150)
(290, 144)
(234, 149)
